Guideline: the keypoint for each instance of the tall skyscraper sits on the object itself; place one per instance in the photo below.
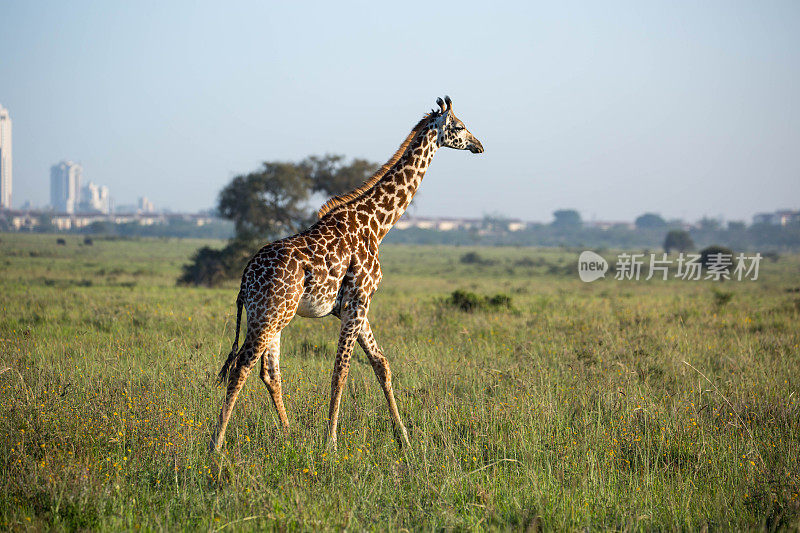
(65, 186)
(5, 158)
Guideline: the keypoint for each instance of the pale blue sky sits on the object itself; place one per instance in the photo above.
(683, 108)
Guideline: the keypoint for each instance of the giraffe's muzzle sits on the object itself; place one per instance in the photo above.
(475, 146)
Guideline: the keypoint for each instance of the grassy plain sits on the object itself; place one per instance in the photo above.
(575, 408)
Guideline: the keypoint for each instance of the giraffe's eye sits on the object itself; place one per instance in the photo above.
(458, 128)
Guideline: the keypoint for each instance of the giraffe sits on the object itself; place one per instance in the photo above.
(333, 268)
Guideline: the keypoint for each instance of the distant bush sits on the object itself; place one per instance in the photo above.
(469, 301)
(720, 258)
(474, 258)
(527, 262)
(466, 301)
(714, 250)
(499, 300)
(210, 267)
(721, 298)
(207, 268)
(560, 270)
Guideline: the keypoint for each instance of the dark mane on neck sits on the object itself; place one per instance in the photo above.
(342, 199)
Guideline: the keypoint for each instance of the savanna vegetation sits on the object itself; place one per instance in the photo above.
(533, 400)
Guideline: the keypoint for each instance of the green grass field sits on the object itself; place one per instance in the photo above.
(575, 408)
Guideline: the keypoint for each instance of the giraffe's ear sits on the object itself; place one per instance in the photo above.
(442, 105)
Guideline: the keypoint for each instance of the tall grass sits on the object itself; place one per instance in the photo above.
(625, 405)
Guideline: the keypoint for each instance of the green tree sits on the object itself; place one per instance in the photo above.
(495, 222)
(735, 225)
(650, 221)
(267, 203)
(709, 224)
(330, 176)
(567, 219)
(679, 240)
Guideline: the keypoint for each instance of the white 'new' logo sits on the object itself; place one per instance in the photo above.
(591, 266)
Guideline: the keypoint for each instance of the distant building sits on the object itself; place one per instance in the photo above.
(95, 199)
(65, 186)
(783, 217)
(5, 159)
(451, 224)
(28, 220)
(606, 225)
(439, 224)
(145, 205)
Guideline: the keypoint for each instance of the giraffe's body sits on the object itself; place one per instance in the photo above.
(333, 268)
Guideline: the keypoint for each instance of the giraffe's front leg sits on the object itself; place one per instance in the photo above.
(384, 374)
(353, 318)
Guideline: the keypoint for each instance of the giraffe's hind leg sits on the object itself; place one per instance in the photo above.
(254, 345)
(271, 376)
(384, 374)
(268, 318)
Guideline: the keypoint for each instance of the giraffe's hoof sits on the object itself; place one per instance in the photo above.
(401, 436)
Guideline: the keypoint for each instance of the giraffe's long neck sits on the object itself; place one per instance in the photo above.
(386, 202)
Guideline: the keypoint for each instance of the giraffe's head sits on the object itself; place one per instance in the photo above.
(452, 132)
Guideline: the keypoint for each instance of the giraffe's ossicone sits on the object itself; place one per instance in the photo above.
(333, 268)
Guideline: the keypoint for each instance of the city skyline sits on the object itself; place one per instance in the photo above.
(69, 196)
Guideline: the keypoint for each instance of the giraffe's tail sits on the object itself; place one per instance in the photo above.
(223, 373)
